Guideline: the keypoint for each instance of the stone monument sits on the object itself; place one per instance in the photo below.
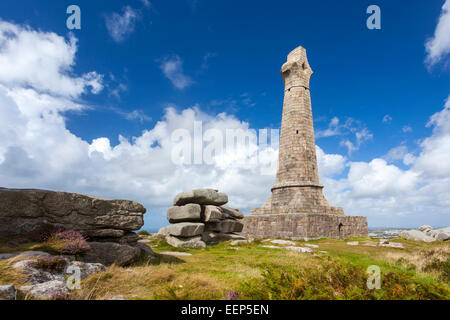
(296, 208)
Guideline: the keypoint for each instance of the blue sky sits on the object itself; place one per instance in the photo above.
(374, 90)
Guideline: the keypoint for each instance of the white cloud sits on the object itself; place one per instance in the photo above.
(332, 130)
(350, 126)
(434, 161)
(438, 46)
(377, 178)
(172, 68)
(392, 196)
(397, 153)
(407, 129)
(387, 119)
(329, 164)
(42, 60)
(137, 115)
(120, 26)
(37, 150)
(146, 3)
(361, 136)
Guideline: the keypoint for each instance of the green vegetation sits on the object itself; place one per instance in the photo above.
(250, 271)
(143, 233)
(333, 280)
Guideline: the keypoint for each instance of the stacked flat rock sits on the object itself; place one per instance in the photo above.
(200, 217)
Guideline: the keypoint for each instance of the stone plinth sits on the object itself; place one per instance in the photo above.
(299, 226)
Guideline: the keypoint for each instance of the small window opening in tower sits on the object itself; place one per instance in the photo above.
(298, 132)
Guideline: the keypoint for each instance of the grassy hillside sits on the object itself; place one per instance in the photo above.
(420, 271)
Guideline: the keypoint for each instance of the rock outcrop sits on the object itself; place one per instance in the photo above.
(427, 234)
(49, 277)
(199, 218)
(108, 225)
(7, 292)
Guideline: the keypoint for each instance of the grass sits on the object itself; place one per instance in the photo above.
(420, 271)
(9, 275)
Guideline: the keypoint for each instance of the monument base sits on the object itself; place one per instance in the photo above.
(301, 226)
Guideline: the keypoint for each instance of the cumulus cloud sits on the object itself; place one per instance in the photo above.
(120, 26)
(42, 60)
(397, 153)
(37, 150)
(349, 127)
(433, 161)
(438, 47)
(389, 195)
(172, 68)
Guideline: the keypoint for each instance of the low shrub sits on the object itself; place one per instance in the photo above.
(442, 267)
(144, 233)
(50, 263)
(69, 242)
(232, 295)
(58, 296)
(332, 280)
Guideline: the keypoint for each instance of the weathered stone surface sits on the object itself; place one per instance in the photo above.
(304, 226)
(231, 213)
(216, 214)
(146, 251)
(299, 249)
(283, 242)
(86, 269)
(104, 233)
(7, 292)
(440, 234)
(272, 247)
(396, 245)
(424, 228)
(185, 229)
(188, 213)
(46, 290)
(225, 226)
(23, 254)
(213, 214)
(24, 211)
(217, 237)
(416, 235)
(369, 244)
(162, 233)
(174, 253)
(192, 242)
(201, 196)
(36, 275)
(315, 246)
(353, 243)
(108, 253)
(297, 188)
(4, 256)
(443, 236)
